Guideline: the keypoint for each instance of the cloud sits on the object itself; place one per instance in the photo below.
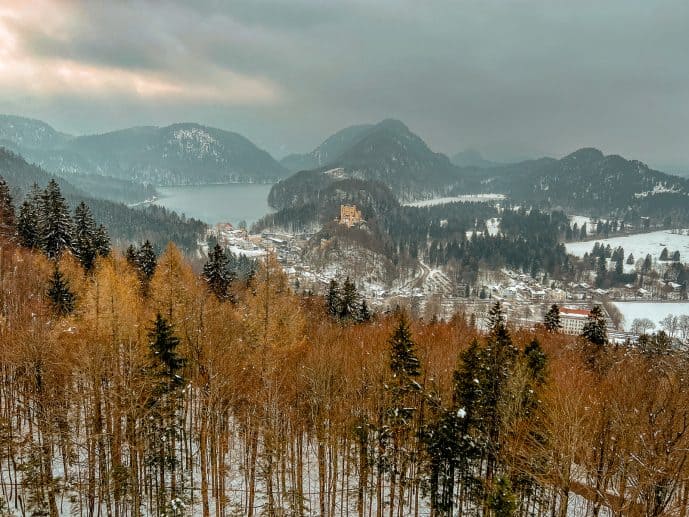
(44, 59)
(509, 77)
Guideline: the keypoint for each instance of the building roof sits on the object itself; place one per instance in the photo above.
(568, 311)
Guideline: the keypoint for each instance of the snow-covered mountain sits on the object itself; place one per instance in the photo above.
(387, 152)
(180, 154)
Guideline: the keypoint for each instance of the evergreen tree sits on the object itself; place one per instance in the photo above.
(54, 221)
(630, 259)
(502, 501)
(146, 261)
(552, 319)
(404, 364)
(8, 223)
(595, 328)
(333, 301)
(216, 273)
(84, 238)
(59, 294)
(349, 306)
(664, 254)
(364, 313)
(166, 362)
(28, 223)
(102, 241)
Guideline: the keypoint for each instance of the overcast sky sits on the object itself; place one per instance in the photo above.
(510, 78)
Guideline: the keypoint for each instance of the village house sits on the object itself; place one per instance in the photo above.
(573, 320)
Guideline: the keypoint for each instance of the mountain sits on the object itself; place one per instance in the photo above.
(471, 158)
(387, 152)
(124, 224)
(328, 151)
(29, 133)
(589, 181)
(180, 154)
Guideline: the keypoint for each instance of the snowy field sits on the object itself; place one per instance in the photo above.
(470, 198)
(640, 245)
(654, 311)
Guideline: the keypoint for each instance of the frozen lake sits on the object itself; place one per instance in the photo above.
(218, 203)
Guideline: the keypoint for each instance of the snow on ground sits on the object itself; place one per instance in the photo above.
(257, 252)
(640, 244)
(654, 311)
(469, 198)
(580, 220)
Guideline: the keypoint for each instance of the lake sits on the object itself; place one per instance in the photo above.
(218, 203)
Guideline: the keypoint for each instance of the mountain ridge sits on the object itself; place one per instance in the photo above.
(183, 153)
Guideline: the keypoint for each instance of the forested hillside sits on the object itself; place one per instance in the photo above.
(150, 393)
(124, 224)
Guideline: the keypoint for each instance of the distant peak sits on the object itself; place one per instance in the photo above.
(585, 154)
(392, 124)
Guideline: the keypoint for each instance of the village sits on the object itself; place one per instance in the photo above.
(430, 293)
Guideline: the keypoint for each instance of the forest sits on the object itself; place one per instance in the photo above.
(140, 386)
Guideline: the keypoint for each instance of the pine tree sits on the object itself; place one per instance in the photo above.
(630, 259)
(8, 223)
(333, 301)
(349, 306)
(83, 242)
(404, 364)
(59, 294)
(364, 313)
(28, 223)
(54, 221)
(216, 273)
(166, 362)
(552, 319)
(595, 328)
(664, 254)
(102, 241)
(146, 261)
(502, 501)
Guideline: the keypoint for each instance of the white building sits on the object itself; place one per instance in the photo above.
(573, 320)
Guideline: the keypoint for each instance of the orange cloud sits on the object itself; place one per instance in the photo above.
(23, 72)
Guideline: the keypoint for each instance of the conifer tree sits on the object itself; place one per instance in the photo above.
(552, 319)
(167, 364)
(84, 238)
(8, 223)
(349, 306)
(404, 364)
(102, 241)
(28, 224)
(333, 301)
(216, 273)
(146, 261)
(595, 328)
(364, 312)
(59, 294)
(54, 221)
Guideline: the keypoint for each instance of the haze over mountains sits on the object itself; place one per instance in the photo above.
(387, 152)
(180, 154)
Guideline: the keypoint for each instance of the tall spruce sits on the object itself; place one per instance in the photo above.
(84, 245)
(60, 296)
(8, 222)
(217, 274)
(28, 223)
(552, 321)
(595, 329)
(349, 303)
(54, 221)
(333, 300)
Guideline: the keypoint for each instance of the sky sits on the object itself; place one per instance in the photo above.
(510, 78)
